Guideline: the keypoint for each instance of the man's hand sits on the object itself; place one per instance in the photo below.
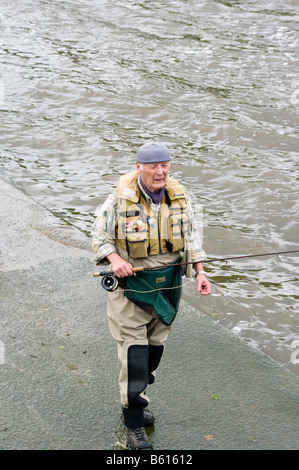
(120, 267)
(203, 284)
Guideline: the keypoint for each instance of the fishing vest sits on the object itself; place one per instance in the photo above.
(142, 232)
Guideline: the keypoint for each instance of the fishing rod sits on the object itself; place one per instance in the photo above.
(110, 281)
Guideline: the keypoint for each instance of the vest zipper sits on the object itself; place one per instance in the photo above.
(157, 212)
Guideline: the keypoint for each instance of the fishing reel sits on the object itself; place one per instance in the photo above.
(109, 282)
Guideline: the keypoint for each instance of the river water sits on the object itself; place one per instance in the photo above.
(84, 83)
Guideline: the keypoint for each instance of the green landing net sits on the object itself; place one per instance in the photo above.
(157, 292)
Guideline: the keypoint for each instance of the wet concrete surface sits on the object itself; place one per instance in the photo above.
(59, 366)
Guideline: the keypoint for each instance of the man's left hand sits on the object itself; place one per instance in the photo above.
(203, 284)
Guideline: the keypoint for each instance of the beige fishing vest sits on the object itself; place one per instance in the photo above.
(139, 230)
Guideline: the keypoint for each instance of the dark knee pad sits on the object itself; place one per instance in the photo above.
(138, 356)
(155, 354)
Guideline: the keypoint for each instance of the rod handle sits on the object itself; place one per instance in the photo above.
(96, 274)
(139, 268)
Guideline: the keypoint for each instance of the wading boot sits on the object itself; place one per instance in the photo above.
(148, 417)
(138, 440)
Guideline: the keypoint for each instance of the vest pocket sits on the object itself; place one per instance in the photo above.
(137, 248)
(176, 237)
(136, 236)
(131, 234)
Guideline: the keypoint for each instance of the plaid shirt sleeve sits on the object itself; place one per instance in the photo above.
(103, 230)
(193, 239)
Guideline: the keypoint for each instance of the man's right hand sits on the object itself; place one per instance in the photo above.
(120, 267)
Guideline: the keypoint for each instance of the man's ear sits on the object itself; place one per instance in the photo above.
(138, 168)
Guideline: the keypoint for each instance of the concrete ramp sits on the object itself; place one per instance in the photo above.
(59, 366)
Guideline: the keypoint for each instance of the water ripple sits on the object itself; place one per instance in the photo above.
(84, 84)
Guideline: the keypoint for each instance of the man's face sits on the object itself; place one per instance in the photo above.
(154, 175)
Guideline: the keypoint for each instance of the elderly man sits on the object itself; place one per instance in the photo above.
(147, 221)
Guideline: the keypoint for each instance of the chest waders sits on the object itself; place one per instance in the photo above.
(157, 292)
